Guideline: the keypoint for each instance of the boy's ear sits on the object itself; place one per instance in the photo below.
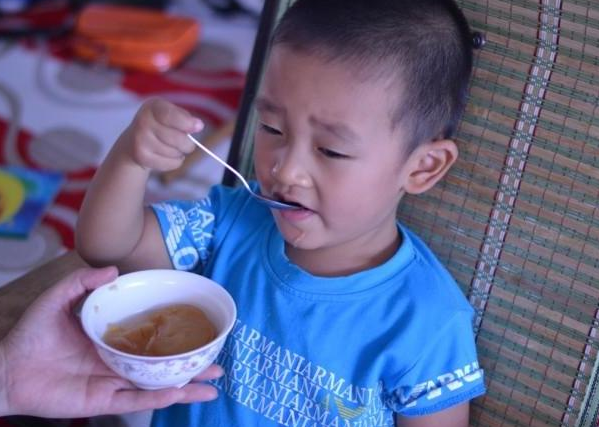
(428, 163)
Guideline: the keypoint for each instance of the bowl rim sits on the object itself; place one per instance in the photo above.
(99, 342)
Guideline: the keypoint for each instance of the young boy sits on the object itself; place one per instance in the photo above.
(345, 317)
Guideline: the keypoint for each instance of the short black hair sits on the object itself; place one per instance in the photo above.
(424, 45)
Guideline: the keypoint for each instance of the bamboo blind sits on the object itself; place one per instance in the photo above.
(517, 219)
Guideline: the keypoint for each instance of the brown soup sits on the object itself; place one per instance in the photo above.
(161, 331)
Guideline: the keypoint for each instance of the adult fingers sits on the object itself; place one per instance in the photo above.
(139, 400)
(72, 287)
(198, 392)
(92, 278)
(212, 372)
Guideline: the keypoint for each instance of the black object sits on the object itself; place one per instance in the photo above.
(228, 7)
(478, 40)
(224, 6)
(266, 26)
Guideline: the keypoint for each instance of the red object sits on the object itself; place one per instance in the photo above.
(134, 37)
(47, 18)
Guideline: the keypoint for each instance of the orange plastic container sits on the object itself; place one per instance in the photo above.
(134, 37)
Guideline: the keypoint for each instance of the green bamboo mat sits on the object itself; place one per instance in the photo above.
(517, 219)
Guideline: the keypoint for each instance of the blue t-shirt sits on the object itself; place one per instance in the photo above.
(320, 351)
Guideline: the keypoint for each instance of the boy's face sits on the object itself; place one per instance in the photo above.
(325, 140)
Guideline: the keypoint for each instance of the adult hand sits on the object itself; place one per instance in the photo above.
(49, 367)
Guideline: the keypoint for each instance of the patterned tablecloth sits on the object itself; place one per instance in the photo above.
(60, 114)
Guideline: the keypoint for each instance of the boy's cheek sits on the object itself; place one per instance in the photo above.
(263, 163)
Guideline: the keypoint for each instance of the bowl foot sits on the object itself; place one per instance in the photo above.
(158, 387)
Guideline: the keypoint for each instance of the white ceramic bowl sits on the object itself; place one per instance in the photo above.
(136, 292)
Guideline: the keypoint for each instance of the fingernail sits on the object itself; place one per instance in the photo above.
(198, 125)
(211, 393)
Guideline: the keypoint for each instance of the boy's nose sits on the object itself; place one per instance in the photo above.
(290, 169)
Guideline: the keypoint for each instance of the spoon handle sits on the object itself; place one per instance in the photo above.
(270, 202)
(219, 160)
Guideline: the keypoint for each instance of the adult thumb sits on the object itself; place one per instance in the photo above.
(71, 288)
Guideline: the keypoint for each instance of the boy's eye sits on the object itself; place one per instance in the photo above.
(332, 154)
(270, 129)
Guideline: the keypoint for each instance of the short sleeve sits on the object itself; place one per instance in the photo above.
(188, 231)
(445, 374)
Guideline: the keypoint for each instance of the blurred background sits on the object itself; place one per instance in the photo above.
(73, 74)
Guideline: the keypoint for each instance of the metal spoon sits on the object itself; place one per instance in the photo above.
(275, 204)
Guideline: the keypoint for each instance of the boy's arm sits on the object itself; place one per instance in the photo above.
(113, 226)
(456, 416)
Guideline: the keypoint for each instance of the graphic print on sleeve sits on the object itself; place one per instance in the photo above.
(190, 232)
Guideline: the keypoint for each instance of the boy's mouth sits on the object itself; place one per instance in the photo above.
(280, 198)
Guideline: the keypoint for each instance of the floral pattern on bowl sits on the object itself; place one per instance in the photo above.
(155, 374)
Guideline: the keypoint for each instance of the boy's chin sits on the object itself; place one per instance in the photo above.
(298, 241)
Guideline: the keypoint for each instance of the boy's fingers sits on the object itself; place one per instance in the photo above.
(175, 139)
(167, 150)
(163, 164)
(176, 117)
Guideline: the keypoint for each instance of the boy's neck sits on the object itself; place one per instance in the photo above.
(342, 261)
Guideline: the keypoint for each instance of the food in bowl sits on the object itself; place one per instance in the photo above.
(163, 331)
(140, 292)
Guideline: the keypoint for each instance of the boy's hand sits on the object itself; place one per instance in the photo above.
(114, 226)
(157, 137)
